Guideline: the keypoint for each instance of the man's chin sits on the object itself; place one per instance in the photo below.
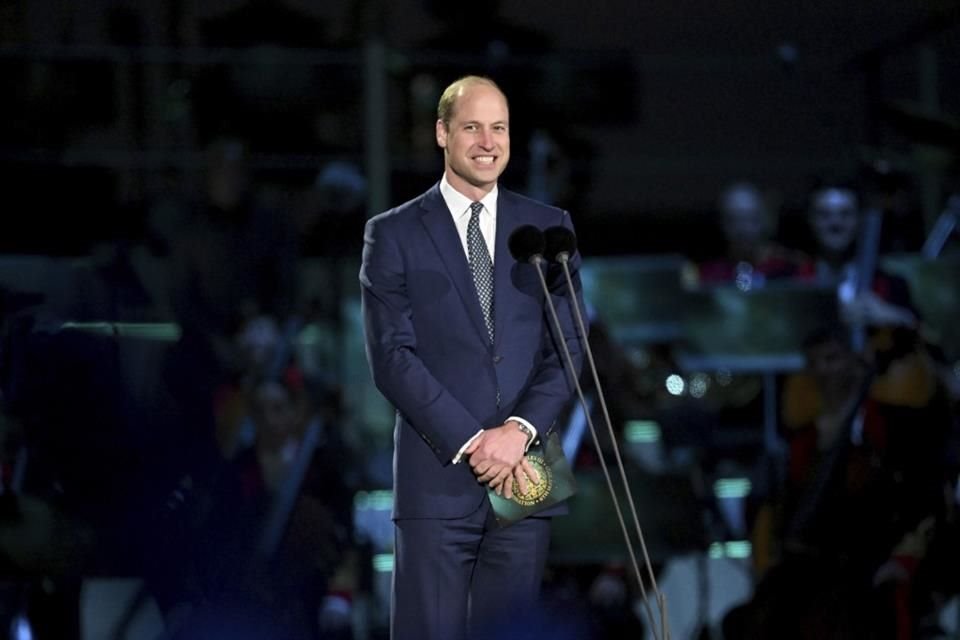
(487, 176)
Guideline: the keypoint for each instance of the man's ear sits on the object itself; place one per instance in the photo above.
(441, 134)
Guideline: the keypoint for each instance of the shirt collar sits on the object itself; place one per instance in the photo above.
(459, 204)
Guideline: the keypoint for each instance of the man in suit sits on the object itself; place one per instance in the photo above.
(459, 341)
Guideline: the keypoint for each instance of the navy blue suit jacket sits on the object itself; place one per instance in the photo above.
(428, 348)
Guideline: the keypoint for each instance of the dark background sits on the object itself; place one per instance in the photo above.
(655, 105)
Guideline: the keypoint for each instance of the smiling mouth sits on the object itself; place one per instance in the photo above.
(484, 159)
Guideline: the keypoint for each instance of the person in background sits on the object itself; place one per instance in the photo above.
(861, 503)
(752, 257)
(232, 275)
(835, 216)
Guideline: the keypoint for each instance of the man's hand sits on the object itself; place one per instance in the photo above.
(495, 453)
(522, 473)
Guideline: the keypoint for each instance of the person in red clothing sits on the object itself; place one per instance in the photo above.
(861, 495)
(752, 256)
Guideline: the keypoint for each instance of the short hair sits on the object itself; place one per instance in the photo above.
(448, 99)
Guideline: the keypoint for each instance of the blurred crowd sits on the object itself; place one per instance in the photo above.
(174, 405)
(211, 461)
(859, 529)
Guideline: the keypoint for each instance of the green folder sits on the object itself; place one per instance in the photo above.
(555, 485)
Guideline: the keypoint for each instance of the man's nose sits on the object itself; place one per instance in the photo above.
(486, 139)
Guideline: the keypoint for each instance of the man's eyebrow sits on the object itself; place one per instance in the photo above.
(505, 122)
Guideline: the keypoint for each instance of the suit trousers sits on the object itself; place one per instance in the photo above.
(465, 578)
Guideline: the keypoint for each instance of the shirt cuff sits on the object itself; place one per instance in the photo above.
(532, 428)
(457, 458)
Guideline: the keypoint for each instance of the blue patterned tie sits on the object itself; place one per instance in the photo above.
(480, 265)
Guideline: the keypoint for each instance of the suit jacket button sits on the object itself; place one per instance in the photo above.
(497, 359)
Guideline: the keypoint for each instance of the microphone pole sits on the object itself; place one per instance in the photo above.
(561, 243)
(527, 244)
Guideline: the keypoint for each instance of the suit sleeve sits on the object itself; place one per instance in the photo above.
(552, 385)
(391, 345)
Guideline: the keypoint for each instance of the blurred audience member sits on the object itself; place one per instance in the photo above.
(233, 261)
(836, 216)
(279, 520)
(232, 280)
(558, 167)
(752, 256)
(864, 485)
(878, 304)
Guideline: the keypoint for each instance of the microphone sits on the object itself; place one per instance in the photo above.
(561, 244)
(528, 244)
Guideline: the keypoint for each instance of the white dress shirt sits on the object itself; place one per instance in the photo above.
(459, 206)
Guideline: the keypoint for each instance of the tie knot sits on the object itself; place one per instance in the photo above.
(476, 208)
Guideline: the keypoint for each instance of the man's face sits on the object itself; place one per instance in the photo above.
(832, 364)
(834, 219)
(476, 141)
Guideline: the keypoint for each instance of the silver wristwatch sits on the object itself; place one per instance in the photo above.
(526, 431)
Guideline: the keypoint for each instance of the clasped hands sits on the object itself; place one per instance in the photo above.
(497, 459)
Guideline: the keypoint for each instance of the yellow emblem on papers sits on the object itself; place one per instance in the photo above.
(536, 491)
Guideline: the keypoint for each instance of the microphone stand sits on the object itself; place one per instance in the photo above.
(563, 258)
(536, 260)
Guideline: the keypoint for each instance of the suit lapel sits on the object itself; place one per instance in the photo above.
(439, 225)
(503, 289)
